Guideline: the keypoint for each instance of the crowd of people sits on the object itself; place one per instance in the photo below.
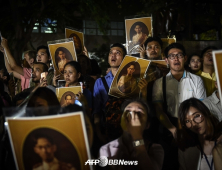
(175, 123)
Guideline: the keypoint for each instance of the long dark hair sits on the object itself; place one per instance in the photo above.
(76, 66)
(185, 137)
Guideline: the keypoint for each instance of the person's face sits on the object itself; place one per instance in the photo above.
(42, 56)
(115, 56)
(130, 70)
(69, 100)
(207, 58)
(70, 75)
(138, 112)
(138, 29)
(176, 64)
(195, 63)
(192, 120)
(37, 70)
(62, 55)
(45, 149)
(153, 50)
(29, 60)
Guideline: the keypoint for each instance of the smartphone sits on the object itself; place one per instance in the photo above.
(44, 74)
(61, 83)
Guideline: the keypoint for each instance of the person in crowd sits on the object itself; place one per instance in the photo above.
(100, 94)
(208, 73)
(197, 137)
(168, 92)
(38, 68)
(86, 69)
(151, 49)
(44, 57)
(22, 73)
(42, 102)
(195, 64)
(213, 103)
(132, 145)
(72, 76)
(180, 85)
(96, 71)
(45, 147)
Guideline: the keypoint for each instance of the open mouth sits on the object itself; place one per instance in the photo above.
(196, 66)
(113, 60)
(211, 59)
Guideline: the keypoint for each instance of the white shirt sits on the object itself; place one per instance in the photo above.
(214, 105)
(189, 86)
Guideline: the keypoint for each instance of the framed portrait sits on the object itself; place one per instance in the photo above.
(217, 59)
(166, 42)
(39, 141)
(137, 31)
(67, 95)
(78, 38)
(125, 82)
(62, 53)
(157, 69)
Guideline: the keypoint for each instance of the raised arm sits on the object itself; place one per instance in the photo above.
(14, 66)
(8, 67)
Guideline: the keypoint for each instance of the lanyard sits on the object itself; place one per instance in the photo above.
(208, 163)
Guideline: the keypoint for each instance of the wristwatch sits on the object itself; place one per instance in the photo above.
(138, 142)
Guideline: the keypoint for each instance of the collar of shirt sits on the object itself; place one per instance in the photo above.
(49, 165)
(215, 98)
(109, 75)
(207, 75)
(185, 75)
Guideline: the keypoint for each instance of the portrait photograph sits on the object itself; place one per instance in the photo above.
(62, 53)
(129, 77)
(217, 59)
(125, 82)
(67, 95)
(166, 42)
(78, 38)
(44, 141)
(59, 149)
(137, 31)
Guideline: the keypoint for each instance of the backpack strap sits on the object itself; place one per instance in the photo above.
(105, 84)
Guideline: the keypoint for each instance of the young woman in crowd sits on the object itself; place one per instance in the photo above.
(132, 144)
(72, 77)
(195, 64)
(197, 136)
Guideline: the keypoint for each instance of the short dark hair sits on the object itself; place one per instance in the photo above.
(150, 39)
(45, 67)
(190, 57)
(68, 95)
(120, 46)
(74, 64)
(140, 101)
(44, 47)
(38, 136)
(174, 45)
(207, 48)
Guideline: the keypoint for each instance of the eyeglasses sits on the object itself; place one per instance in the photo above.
(198, 118)
(173, 56)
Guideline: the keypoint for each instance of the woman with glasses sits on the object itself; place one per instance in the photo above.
(198, 131)
(132, 146)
